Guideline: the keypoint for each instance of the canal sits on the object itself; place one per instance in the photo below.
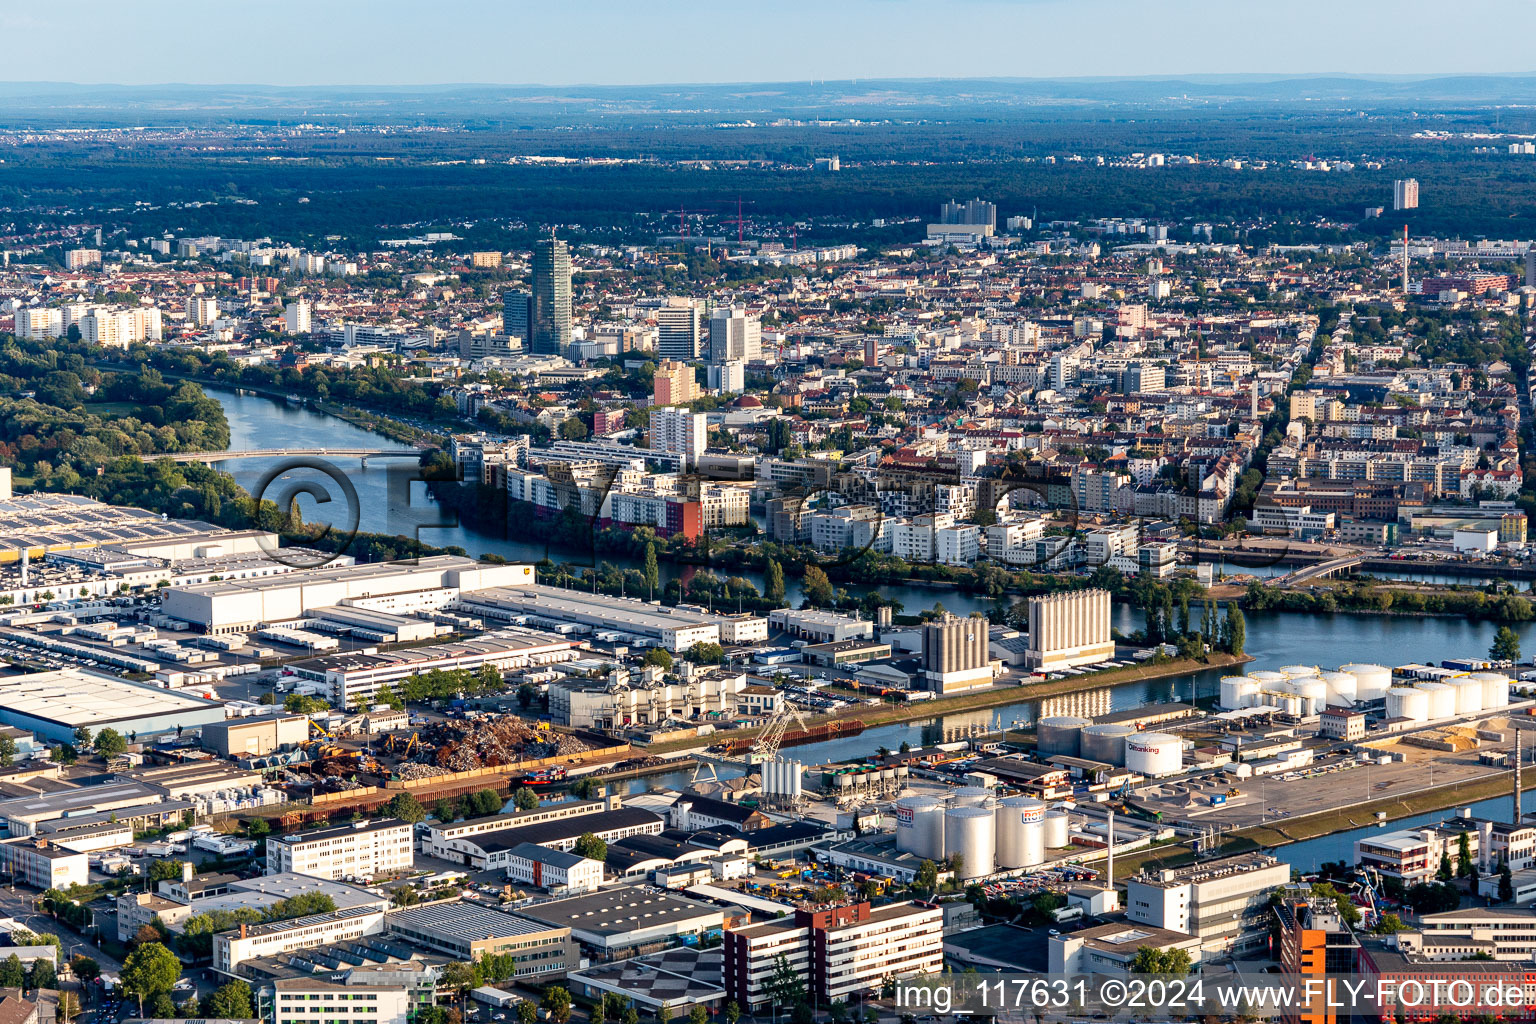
(1273, 639)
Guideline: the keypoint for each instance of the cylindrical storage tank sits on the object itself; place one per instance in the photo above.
(1020, 832)
(1238, 692)
(920, 827)
(1057, 829)
(1495, 689)
(1371, 681)
(1106, 743)
(1154, 754)
(969, 796)
(1314, 691)
(1469, 695)
(1292, 704)
(1442, 699)
(770, 777)
(1342, 688)
(1266, 678)
(1060, 734)
(796, 771)
(1406, 702)
(1298, 671)
(972, 833)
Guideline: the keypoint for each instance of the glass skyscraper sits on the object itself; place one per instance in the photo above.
(551, 327)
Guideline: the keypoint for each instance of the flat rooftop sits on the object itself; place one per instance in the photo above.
(575, 606)
(75, 697)
(616, 911)
(469, 921)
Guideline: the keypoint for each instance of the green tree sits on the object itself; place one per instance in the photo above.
(558, 1002)
(7, 750)
(1389, 924)
(591, 847)
(109, 742)
(1445, 872)
(164, 871)
(698, 1015)
(527, 1013)
(162, 1007)
(819, 591)
(231, 1001)
(150, 970)
(658, 656)
(405, 807)
(732, 1012)
(1506, 645)
(1235, 631)
(775, 592)
(664, 1013)
(1150, 960)
(1463, 856)
(652, 570)
(1506, 884)
(484, 802)
(525, 799)
(82, 737)
(85, 968)
(785, 987)
(12, 974)
(41, 974)
(926, 878)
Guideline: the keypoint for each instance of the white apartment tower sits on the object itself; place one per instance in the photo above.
(679, 329)
(202, 310)
(680, 431)
(296, 317)
(734, 336)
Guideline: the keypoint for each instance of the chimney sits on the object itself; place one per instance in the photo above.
(1519, 758)
(186, 871)
(243, 929)
(1109, 837)
(26, 559)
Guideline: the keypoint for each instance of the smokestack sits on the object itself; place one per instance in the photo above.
(1109, 871)
(26, 561)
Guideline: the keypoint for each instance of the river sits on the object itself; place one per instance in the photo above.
(1273, 639)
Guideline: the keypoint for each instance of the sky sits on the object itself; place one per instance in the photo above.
(617, 42)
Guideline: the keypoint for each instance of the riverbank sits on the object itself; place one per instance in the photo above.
(999, 696)
(1279, 834)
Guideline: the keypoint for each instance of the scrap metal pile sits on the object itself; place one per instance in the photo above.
(463, 746)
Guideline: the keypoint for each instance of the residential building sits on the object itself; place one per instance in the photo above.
(296, 317)
(517, 315)
(1405, 194)
(681, 432)
(674, 384)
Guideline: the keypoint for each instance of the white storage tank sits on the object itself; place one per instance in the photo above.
(972, 833)
(1239, 692)
(1442, 699)
(1406, 702)
(1060, 734)
(1495, 689)
(1057, 829)
(1266, 678)
(1469, 695)
(920, 827)
(1020, 832)
(1298, 671)
(1371, 681)
(1342, 688)
(1106, 743)
(969, 796)
(1314, 692)
(1154, 754)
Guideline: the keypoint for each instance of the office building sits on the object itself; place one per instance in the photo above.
(680, 432)
(614, 924)
(1405, 194)
(674, 384)
(680, 329)
(1504, 933)
(517, 315)
(1110, 949)
(1069, 629)
(361, 850)
(296, 317)
(1413, 855)
(556, 871)
(1314, 941)
(316, 1001)
(43, 864)
(550, 319)
(252, 941)
(840, 952)
(734, 336)
(956, 655)
(469, 931)
(1224, 903)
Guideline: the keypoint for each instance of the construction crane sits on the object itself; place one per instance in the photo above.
(767, 746)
